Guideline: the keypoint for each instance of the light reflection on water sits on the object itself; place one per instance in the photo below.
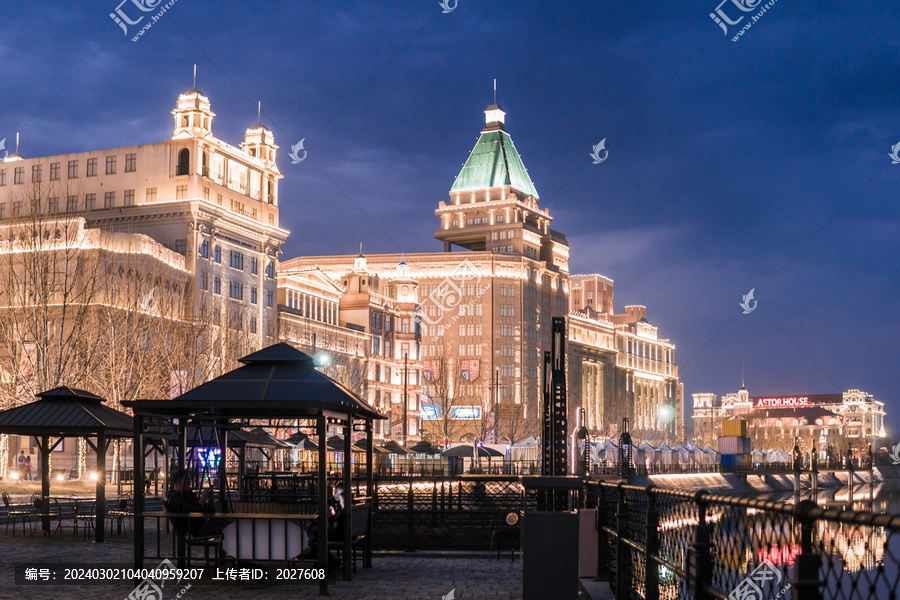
(857, 562)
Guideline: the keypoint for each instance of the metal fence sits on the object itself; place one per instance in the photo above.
(421, 513)
(666, 544)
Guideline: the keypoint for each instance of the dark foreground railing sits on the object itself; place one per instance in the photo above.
(666, 544)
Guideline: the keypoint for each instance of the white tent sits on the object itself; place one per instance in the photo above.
(712, 457)
(651, 456)
(682, 453)
(666, 455)
(525, 450)
(778, 456)
(698, 456)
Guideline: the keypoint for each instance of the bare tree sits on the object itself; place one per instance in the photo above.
(446, 390)
(48, 293)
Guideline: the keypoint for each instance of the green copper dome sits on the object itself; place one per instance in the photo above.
(494, 162)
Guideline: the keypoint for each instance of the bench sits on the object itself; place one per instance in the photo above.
(359, 529)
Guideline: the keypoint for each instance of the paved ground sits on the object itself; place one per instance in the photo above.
(395, 576)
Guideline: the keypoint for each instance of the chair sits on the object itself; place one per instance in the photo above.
(359, 529)
(507, 528)
(14, 512)
(82, 514)
(183, 526)
(49, 511)
(121, 510)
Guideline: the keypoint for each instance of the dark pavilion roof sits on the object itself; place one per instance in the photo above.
(66, 411)
(206, 436)
(275, 382)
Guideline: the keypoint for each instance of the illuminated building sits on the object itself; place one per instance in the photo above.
(776, 422)
(484, 313)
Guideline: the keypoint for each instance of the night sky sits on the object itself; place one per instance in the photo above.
(762, 163)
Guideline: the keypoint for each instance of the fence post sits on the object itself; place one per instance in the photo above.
(410, 524)
(623, 551)
(651, 569)
(602, 536)
(806, 585)
(700, 565)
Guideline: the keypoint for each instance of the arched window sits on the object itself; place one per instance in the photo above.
(184, 162)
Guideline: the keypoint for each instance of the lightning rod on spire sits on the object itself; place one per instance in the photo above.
(259, 112)
(742, 374)
(495, 91)
(17, 142)
(195, 76)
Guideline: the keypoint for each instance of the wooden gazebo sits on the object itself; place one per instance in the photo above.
(278, 382)
(66, 412)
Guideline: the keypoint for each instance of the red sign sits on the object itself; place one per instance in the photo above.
(470, 369)
(783, 402)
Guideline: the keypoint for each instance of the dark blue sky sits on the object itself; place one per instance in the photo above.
(761, 163)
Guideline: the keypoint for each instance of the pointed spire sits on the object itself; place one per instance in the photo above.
(259, 113)
(495, 91)
(17, 142)
(742, 376)
(195, 77)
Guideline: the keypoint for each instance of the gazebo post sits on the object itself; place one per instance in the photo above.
(370, 492)
(139, 488)
(347, 514)
(45, 481)
(322, 532)
(223, 467)
(100, 526)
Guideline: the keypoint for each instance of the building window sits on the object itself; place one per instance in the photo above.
(2, 177)
(184, 162)
(151, 194)
(237, 260)
(17, 208)
(73, 169)
(254, 265)
(53, 205)
(109, 200)
(252, 324)
(110, 165)
(130, 163)
(89, 200)
(236, 290)
(253, 293)
(204, 249)
(219, 199)
(181, 247)
(217, 285)
(36, 173)
(404, 326)
(19, 176)
(129, 197)
(91, 170)
(206, 193)
(217, 254)
(72, 203)
(270, 270)
(2, 210)
(270, 298)
(376, 346)
(54, 171)
(181, 192)
(204, 280)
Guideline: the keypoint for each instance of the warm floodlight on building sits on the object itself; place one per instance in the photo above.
(322, 359)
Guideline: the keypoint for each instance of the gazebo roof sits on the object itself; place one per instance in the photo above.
(276, 382)
(66, 411)
(207, 436)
